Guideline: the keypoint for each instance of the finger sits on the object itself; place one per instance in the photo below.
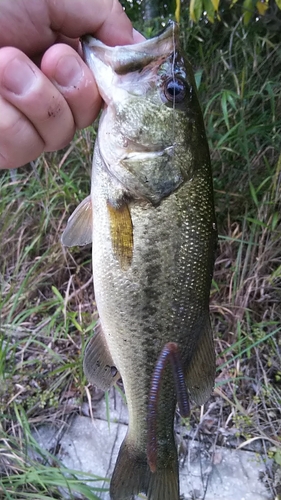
(66, 70)
(105, 18)
(24, 86)
(34, 26)
(19, 141)
(138, 37)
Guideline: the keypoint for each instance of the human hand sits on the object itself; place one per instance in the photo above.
(40, 109)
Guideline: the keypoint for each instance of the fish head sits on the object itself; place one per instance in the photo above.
(151, 116)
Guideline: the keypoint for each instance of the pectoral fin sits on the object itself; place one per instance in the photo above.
(98, 365)
(121, 231)
(79, 226)
(200, 375)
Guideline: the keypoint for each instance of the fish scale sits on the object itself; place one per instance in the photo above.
(154, 239)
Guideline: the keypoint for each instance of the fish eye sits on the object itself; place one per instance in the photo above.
(175, 89)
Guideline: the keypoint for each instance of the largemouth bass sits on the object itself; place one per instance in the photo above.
(151, 221)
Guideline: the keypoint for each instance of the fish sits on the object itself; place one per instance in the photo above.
(151, 220)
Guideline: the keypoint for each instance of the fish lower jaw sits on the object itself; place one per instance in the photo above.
(141, 153)
(136, 156)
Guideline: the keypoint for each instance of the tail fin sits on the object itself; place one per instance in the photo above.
(132, 475)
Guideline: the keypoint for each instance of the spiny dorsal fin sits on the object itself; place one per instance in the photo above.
(200, 375)
(79, 227)
(121, 230)
(98, 365)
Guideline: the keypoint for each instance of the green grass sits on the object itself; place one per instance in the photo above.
(47, 311)
(47, 304)
(38, 474)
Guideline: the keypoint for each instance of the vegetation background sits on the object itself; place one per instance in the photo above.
(46, 294)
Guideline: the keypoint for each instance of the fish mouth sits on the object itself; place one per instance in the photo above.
(129, 69)
(135, 151)
(129, 58)
(144, 153)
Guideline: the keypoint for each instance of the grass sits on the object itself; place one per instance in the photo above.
(38, 474)
(46, 294)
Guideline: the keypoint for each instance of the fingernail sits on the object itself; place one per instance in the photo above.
(138, 37)
(68, 71)
(18, 77)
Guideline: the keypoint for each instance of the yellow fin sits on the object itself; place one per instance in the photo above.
(200, 375)
(121, 230)
(79, 227)
(98, 365)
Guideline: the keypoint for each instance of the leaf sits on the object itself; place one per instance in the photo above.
(277, 457)
(262, 7)
(76, 324)
(209, 8)
(195, 10)
(276, 275)
(278, 3)
(216, 4)
(254, 194)
(198, 77)
(275, 220)
(178, 10)
(224, 108)
(248, 8)
(58, 294)
(256, 222)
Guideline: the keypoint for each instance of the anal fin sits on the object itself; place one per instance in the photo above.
(79, 227)
(200, 374)
(98, 365)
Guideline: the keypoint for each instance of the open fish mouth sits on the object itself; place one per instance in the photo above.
(123, 68)
(128, 58)
(141, 86)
